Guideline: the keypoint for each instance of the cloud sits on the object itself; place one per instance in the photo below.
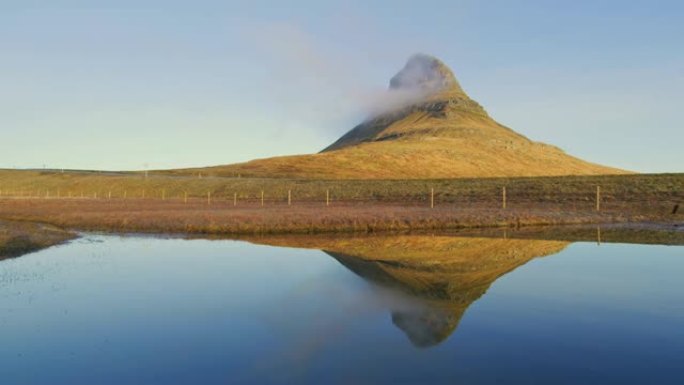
(318, 82)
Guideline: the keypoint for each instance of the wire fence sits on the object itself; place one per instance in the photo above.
(572, 197)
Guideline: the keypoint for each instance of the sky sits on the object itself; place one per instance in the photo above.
(122, 85)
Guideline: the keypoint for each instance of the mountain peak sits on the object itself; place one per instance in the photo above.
(433, 130)
(425, 73)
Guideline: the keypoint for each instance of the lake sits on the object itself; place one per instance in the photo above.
(386, 309)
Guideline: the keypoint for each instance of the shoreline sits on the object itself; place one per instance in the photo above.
(18, 238)
(171, 217)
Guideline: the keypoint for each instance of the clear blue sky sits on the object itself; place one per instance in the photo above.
(134, 84)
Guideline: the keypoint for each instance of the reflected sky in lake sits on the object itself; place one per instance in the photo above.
(389, 309)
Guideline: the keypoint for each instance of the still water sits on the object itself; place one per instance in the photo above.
(387, 309)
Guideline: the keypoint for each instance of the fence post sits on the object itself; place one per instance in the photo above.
(432, 198)
(289, 197)
(327, 197)
(208, 197)
(503, 197)
(262, 198)
(598, 198)
(234, 199)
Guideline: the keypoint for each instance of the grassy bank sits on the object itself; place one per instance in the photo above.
(17, 238)
(223, 218)
(114, 202)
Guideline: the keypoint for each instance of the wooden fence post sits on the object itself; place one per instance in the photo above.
(327, 197)
(289, 197)
(262, 198)
(598, 198)
(503, 197)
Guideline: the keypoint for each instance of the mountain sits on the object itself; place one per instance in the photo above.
(435, 130)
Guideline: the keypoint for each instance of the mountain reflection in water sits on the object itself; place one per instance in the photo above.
(441, 276)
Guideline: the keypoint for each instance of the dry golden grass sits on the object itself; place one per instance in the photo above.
(580, 189)
(196, 217)
(356, 205)
(447, 136)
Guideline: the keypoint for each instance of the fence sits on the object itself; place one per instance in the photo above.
(500, 197)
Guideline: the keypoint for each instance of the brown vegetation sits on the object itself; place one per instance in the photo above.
(113, 201)
(221, 217)
(17, 238)
(639, 189)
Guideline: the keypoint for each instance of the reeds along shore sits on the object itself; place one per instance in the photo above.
(251, 218)
(135, 202)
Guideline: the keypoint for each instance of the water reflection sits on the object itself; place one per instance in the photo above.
(109, 309)
(438, 276)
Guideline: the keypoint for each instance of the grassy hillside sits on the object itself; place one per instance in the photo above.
(442, 133)
(421, 146)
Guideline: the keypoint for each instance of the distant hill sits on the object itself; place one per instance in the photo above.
(437, 132)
